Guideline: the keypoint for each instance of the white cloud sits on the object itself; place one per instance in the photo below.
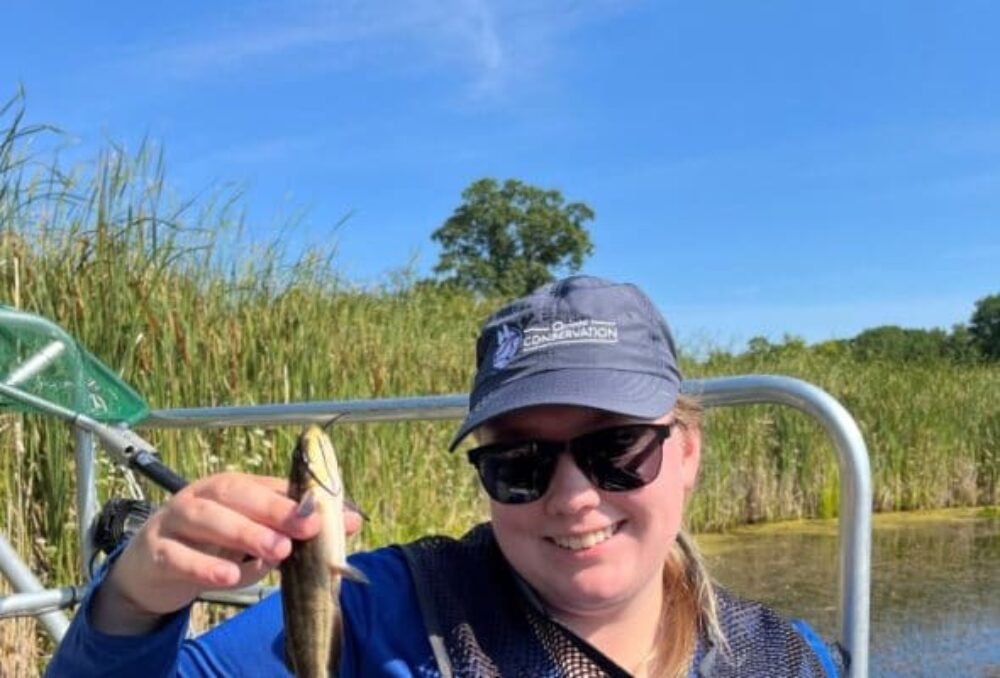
(492, 43)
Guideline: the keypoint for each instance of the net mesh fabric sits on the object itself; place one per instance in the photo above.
(483, 622)
(472, 601)
(39, 358)
(760, 643)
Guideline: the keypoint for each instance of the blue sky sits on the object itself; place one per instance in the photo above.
(760, 168)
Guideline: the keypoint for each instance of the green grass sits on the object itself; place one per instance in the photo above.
(932, 431)
(161, 290)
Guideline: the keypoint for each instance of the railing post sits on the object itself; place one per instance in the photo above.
(86, 496)
(855, 518)
(23, 581)
(852, 459)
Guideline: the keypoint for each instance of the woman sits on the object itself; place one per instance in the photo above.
(588, 453)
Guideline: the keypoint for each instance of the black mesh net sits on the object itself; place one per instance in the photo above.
(760, 643)
(482, 622)
(487, 626)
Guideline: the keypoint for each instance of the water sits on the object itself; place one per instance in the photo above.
(935, 586)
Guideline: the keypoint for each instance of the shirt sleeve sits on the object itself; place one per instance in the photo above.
(85, 651)
(384, 635)
(384, 629)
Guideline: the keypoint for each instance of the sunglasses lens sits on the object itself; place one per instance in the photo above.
(516, 475)
(622, 458)
(614, 459)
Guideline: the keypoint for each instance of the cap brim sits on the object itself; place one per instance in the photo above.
(631, 394)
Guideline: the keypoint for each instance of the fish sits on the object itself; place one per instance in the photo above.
(312, 574)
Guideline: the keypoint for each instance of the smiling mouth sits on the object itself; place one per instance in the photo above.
(579, 542)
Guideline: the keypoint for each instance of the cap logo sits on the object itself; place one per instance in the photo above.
(509, 341)
(579, 332)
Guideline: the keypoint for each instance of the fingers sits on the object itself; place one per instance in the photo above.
(262, 500)
(182, 562)
(235, 518)
(222, 531)
(352, 522)
(203, 521)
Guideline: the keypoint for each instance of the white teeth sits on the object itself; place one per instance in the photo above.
(584, 541)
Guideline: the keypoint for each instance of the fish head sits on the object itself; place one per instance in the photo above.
(314, 463)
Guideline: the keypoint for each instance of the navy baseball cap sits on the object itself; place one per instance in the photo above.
(576, 341)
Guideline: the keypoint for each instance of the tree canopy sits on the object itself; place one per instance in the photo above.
(510, 239)
(984, 327)
(900, 343)
(976, 341)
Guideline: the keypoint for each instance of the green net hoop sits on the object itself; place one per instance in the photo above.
(38, 357)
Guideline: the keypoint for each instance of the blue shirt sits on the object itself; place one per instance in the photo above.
(383, 635)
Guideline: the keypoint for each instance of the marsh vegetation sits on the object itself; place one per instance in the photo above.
(168, 293)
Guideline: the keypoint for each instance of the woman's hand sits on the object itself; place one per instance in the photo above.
(223, 531)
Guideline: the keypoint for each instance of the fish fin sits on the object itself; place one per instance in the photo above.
(349, 572)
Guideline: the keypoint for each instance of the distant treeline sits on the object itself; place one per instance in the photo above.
(164, 292)
(977, 341)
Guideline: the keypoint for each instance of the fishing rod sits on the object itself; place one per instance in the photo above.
(45, 370)
(44, 364)
(125, 446)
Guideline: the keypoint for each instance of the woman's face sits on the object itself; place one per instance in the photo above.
(588, 551)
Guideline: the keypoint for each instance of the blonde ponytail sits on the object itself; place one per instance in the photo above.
(690, 608)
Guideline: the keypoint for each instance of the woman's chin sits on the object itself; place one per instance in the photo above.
(588, 595)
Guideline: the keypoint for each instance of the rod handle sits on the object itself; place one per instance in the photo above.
(149, 465)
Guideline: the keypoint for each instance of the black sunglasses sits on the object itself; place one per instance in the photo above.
(616, 459)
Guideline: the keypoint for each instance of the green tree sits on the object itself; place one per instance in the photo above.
(960, 346)
(985, 326)
(510, 239)
(891, 342)
(759, 346)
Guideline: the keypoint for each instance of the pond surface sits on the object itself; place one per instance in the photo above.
(935, 607)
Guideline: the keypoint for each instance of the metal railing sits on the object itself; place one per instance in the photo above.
(852, 458)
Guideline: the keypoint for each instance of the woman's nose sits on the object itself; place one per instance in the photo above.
(570, 490)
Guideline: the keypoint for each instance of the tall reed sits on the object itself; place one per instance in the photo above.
(166, 292)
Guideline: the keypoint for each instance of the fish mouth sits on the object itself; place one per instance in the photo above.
(585, 540)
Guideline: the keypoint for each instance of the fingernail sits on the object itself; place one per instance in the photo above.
(221, 574)
(278, 545)
(306, 507)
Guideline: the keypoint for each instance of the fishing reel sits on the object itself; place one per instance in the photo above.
(118, 521)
